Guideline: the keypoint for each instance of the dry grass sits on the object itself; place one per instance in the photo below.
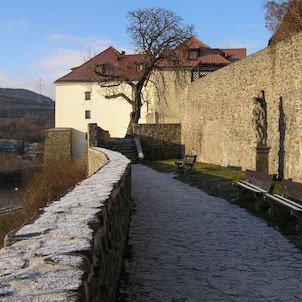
(51, 181)
(42, 187)
(8, 161)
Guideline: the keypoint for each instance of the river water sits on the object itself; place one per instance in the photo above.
(9, 197)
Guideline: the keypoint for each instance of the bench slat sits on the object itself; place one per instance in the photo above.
(284, 201)
(186, 163)
(295, 185)
(262, 179)
(250, 186)
(292, 190)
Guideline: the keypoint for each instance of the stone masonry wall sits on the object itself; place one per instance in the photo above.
(73, 250)
(57, 144)
(96, 160)
(218, 109)
(160, 141)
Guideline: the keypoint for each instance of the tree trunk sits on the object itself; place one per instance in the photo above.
(136, 108)
(134, 118)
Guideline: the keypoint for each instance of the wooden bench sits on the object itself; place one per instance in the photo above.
(258, 183)
(290, 198)
(186, 164)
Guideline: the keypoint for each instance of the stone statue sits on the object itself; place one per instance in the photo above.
(259, 119)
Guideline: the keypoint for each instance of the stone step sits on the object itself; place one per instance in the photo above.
(125, 146)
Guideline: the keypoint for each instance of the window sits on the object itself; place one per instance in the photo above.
(87, 114)
(193, 54)
(100, 69)
(87, 95)
(139, 67)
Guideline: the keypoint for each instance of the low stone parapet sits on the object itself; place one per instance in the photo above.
(73, 251)
(96, 160)
(160, 141)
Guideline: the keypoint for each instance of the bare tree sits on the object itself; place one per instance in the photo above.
(283, 18)
(156, 34)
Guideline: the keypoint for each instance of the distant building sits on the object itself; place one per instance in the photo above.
(11, 145)
(80, 97)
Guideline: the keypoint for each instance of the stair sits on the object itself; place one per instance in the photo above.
(125, 146)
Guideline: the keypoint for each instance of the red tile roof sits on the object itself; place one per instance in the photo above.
(193, 42)
(116, 64)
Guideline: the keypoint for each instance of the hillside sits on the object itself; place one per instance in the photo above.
(25, 114)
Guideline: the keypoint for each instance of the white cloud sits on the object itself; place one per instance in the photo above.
(54, 63)
(60, 61)
(9, 80)
(92, 42)
(20, 23)
(71, 51)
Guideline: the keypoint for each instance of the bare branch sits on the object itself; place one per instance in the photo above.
(114, 96)
(109, 85)
(155, 33)
(283, 18)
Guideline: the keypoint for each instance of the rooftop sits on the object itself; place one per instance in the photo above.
(112, 64)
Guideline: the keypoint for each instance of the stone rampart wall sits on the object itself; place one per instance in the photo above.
(160, 141)
(58, 144)
(73, 250)
(96, 160)
(218, 110)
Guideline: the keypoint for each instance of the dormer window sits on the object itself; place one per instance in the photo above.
(139, 67)
(100, 69)
(192, 54)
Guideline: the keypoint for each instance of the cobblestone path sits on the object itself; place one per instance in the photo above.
(188, 246)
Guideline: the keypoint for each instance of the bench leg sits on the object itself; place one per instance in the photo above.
(261, 203)
(188, 170)
(244, 195)
(179, 168)
(297, 215)
(274, 210)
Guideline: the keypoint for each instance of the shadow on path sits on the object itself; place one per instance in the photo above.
(189, 246)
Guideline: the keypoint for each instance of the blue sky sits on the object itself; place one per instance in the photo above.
(42, 39)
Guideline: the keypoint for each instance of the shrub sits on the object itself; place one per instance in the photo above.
(8, 161)
(54, 179)
(41, 187)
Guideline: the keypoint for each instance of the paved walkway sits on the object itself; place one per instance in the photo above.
(189, 246)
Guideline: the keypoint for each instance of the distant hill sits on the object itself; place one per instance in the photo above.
(20, 102)
(25, 114)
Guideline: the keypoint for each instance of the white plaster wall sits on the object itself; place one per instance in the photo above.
(110, 114)
(113, 114)
(164, 94)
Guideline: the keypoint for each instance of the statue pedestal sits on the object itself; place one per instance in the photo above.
(262, 158)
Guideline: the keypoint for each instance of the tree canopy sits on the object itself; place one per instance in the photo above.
(283, 18)
(154, 31)
(155, 34)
